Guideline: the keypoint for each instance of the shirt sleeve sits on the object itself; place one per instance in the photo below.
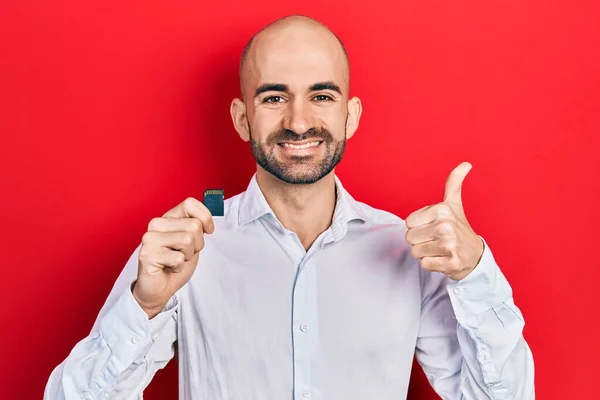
(470, 343)
(123, 351)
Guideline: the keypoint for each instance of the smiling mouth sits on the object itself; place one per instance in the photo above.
(307, 145)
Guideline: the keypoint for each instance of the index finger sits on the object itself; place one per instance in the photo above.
(193, 208)
(420, 217)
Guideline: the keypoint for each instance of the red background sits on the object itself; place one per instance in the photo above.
(112, 112)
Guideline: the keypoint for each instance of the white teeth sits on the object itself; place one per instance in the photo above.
(303, 146)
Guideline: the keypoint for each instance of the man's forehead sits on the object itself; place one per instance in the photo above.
(297, 68)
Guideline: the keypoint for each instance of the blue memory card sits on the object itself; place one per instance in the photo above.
(214, 201)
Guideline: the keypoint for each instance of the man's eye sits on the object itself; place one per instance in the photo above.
(273, 99)
(322, 97)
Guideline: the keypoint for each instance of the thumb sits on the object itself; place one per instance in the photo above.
(453, 192)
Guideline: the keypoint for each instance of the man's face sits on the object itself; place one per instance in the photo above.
(296, 102)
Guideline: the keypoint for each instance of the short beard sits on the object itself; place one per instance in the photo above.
(311, 173)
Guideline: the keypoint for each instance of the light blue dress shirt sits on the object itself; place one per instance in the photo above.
(261, 318)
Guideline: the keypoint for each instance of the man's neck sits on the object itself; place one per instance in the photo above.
(306, 210)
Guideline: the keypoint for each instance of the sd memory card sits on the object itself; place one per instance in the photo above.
(214, 201)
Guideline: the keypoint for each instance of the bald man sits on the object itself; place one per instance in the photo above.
(299, 291)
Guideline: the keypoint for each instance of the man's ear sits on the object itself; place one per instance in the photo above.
(354, 113)
(240, 119)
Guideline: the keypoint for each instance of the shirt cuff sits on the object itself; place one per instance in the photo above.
(128, 331)
(484, 288)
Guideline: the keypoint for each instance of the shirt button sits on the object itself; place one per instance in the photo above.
(306, 394)
(456, 291)
(135, 339)
(481, 355)
(304, 328)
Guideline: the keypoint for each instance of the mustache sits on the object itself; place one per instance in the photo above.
(285, 135)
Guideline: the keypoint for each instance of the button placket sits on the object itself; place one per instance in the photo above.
(303, 315)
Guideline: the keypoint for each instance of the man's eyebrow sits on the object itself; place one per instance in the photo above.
(271, 87)
(325, 86)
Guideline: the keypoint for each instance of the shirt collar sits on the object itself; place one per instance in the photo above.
(253, 205)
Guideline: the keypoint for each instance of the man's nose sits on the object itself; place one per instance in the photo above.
(298, 118)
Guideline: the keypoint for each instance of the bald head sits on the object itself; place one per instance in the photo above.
(296, 33)
(295, 112)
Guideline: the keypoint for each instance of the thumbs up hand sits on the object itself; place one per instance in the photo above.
(440, 234)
